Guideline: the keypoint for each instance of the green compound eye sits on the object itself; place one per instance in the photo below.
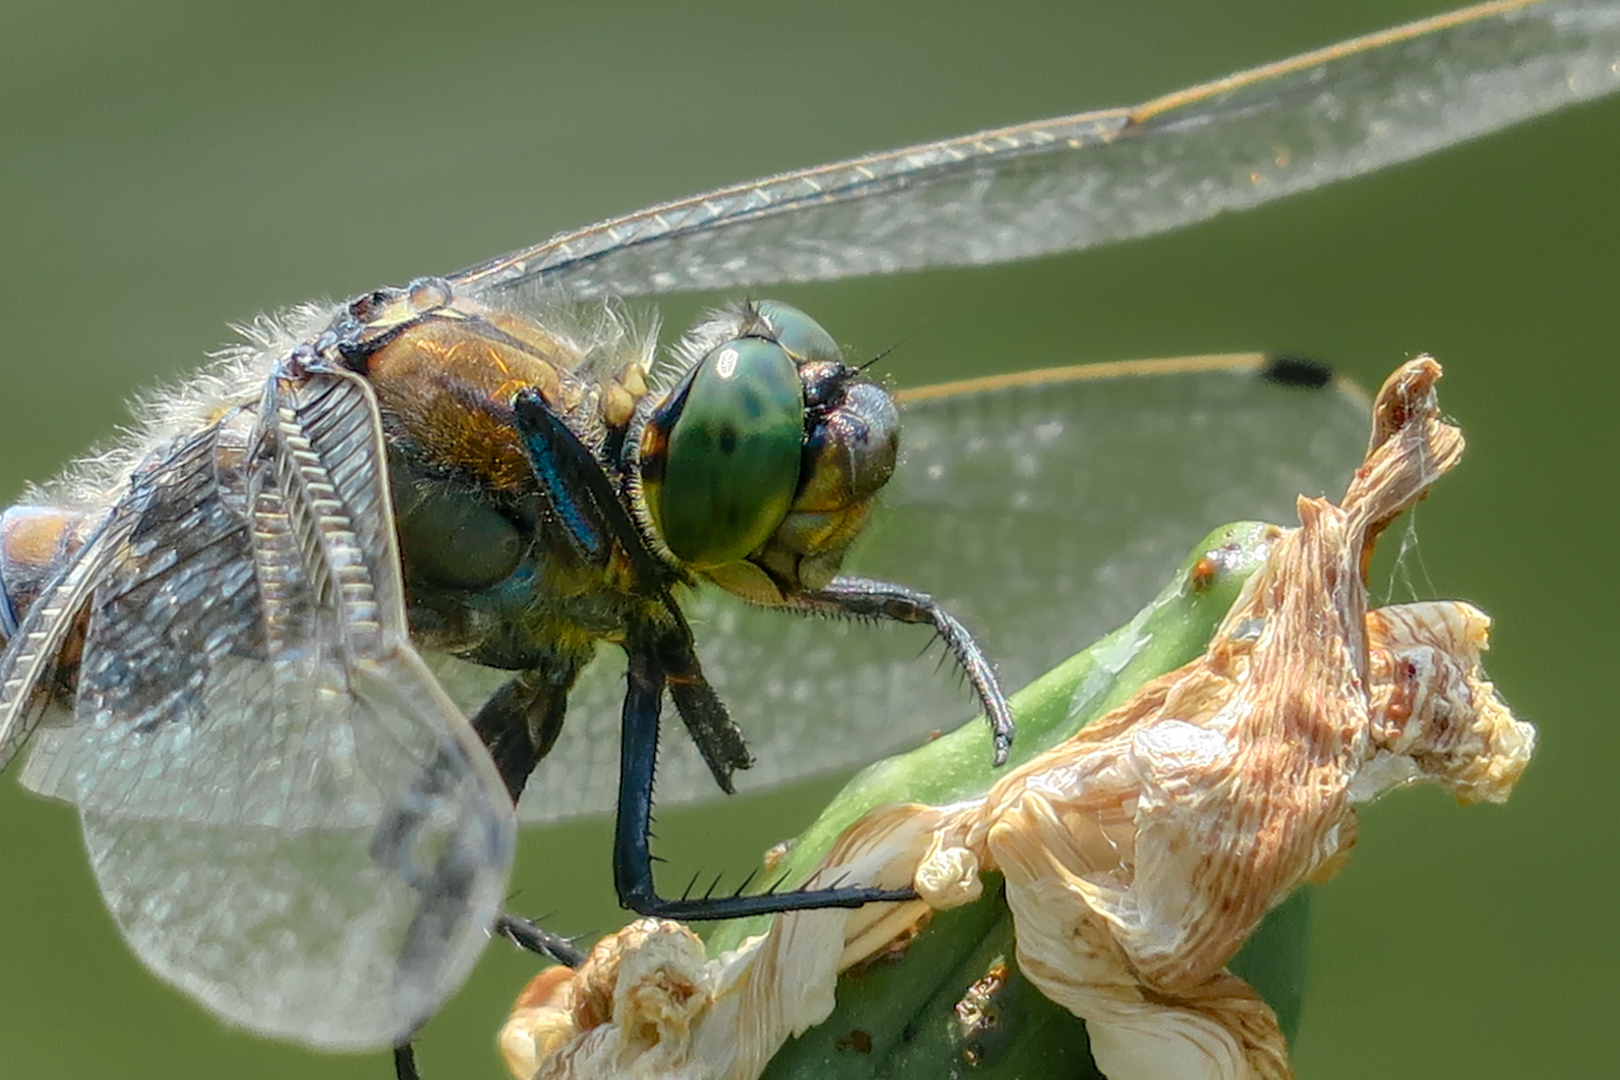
(720, 458)
(804, 338)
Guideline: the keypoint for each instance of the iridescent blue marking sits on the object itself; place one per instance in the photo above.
(541, 429)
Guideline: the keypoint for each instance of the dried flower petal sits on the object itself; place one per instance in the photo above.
(627, 1011)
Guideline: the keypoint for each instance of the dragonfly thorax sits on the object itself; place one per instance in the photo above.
(490, 576)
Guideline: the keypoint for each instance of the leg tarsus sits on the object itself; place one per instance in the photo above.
(865, 598)
(526, 934)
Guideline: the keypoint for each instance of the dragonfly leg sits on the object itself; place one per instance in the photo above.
(868, 599)
(524, 933)
(632, 852)
(521, 721)
(577, 487)
(528, 935)
(718, 738)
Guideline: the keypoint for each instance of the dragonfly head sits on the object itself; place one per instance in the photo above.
(760, 466)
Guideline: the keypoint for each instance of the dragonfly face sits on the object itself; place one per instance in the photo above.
(228, 643)
(763, 462)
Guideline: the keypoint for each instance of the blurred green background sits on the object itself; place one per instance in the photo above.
(168, 167)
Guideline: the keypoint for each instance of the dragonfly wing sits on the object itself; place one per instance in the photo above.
(1073, 182)
(287, 816)
(1043, 513)
(28, 665)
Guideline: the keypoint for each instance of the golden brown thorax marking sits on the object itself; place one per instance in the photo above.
(36, 542)
(446, 387)
(41, 536)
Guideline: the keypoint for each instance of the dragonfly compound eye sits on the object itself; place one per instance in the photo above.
(720, 457)
(805, 340)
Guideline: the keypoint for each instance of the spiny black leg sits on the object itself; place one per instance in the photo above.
(638, 761)
(520, 722)
(526, 934)
(870, 599)
(707, 720)
(632, 853)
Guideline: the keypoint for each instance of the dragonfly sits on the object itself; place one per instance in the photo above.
(247, 645)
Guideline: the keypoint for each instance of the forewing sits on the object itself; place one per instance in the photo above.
(1043, 513)
(286, 815)
(1069, 183)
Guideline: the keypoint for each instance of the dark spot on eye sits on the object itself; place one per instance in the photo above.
(728, 440)
(753, 405)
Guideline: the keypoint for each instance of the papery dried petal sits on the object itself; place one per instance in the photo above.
(1434, 714)
(627, 1011)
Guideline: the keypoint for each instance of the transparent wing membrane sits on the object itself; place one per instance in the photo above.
(1077, 181)
(286, 815)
